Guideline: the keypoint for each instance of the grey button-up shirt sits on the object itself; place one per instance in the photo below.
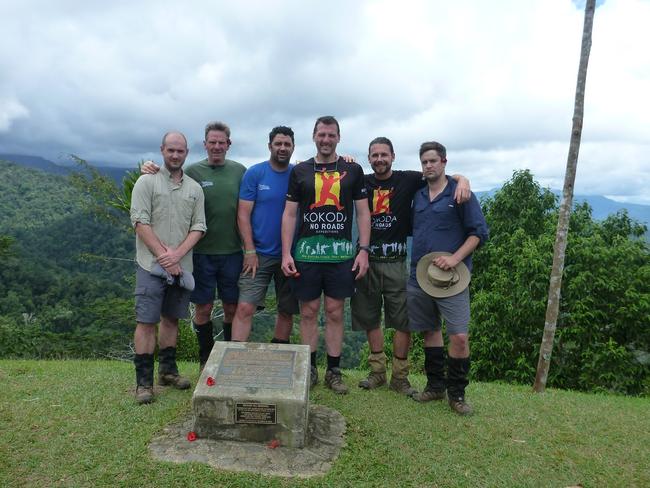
(172, 210)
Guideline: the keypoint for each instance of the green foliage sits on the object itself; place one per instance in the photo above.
(604, 324)
(5, 246)
(54, 302)
(102, 197)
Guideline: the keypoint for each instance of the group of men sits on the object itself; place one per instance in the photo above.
(293, 224)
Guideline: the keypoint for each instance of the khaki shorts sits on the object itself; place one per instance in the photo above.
(253, 290)
(384, 284)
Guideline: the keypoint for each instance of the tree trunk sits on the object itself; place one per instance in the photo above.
(555, 283)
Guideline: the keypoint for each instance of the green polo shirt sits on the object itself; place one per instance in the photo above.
(171, 209)
(221, 190)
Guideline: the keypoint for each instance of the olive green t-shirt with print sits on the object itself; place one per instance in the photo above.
(221, 190)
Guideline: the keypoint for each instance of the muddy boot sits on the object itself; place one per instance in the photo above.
(168, 371)
(457, 381)
(434, 366)
(205, 338)
(143, 378)
(399, 380)
(334, 381)
(377, 376)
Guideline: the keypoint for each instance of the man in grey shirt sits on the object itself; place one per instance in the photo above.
(169, 219)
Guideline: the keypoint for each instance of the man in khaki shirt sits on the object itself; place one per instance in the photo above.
(169, 219)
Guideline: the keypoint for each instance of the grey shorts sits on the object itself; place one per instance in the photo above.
(253, 290)
(154, 297)
(384, 284)
(426, 313)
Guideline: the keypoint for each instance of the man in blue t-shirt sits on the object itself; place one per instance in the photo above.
(259, 216)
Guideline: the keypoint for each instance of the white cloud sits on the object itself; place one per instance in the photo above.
(11, 110)
(494, 81)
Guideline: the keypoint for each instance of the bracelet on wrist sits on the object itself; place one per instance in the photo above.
(250, 251)
(365, 248)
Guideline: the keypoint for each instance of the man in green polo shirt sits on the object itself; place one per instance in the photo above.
(168, 216)
(218, 257)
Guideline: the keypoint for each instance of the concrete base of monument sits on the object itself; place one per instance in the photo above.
(253, 392)
(323, 443)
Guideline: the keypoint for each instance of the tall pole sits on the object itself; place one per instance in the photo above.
(555, 284)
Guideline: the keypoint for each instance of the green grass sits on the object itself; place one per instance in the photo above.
(74, 423)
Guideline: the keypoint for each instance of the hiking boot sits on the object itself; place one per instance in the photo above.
(168, 371)
(399, 380)
(377, 376)
(460, 406)
(428, 395)
(402, 385)
(313, 376)
(334, 381)
(457, 381)
(144, 365)
(374, 380)
(144, 394)
(174, 379)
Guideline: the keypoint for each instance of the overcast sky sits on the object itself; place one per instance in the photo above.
(493, 81)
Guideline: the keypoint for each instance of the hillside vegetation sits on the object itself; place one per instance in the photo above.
(66, 286)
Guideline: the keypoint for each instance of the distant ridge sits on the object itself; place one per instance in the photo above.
(601, 206)
(48, 166)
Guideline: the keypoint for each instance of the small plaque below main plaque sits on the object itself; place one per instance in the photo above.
(255, 413)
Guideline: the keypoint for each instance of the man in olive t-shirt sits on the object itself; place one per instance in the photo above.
(218, 260)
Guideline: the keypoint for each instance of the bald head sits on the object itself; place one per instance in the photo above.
(174, 134)
(174, 151)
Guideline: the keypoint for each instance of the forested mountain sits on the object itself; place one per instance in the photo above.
(60, 275)
(66, 287)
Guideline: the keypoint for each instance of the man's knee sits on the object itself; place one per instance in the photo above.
(310, 309)
(459, 342)
(202, 312)
(245, 310)
(334, 310)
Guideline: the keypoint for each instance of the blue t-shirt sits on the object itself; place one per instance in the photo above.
(268, 189)
(443, 225)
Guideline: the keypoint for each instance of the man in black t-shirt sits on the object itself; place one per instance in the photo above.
(323, 194)
(390, 196)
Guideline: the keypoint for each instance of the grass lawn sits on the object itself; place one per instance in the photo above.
(74, 423)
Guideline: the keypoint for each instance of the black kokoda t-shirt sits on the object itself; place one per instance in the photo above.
(326, 206)
(390, 204)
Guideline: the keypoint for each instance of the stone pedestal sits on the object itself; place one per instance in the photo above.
(254, 392)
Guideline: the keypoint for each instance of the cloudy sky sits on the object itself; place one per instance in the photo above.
(494, 81)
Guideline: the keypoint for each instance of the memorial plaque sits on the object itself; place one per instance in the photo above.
(256, 369)
(255, 413)
(254, 392)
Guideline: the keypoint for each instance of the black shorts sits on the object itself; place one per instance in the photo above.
(335, 280)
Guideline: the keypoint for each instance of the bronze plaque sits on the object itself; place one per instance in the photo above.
(255, 413)
(256, 368)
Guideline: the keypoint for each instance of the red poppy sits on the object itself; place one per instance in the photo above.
(191, 436)
(210, 381)
(273, 444)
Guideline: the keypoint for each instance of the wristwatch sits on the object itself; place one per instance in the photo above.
(365, 248)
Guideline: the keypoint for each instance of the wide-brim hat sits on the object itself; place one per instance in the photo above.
(438, 282)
